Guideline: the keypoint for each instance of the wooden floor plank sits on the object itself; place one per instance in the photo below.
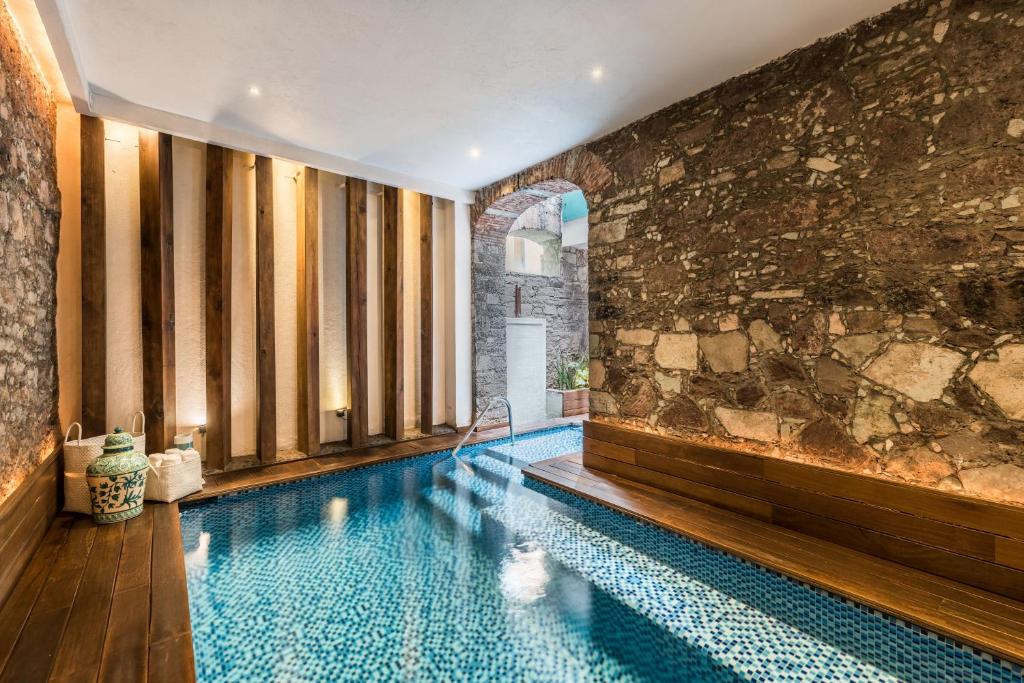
(18, 606)
(33, 655)
(976, 617)
(170, 632)
(81, 649)
(125, 651)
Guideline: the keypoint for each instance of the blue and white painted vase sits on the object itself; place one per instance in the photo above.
(117, 479)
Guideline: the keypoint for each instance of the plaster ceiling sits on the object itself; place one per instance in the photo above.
(410, 86)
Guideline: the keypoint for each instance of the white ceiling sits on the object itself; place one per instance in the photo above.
(409, 86)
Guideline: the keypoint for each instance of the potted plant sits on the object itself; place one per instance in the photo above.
(571, 395)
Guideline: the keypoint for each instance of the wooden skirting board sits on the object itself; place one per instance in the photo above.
(24, 517)
(976, 542)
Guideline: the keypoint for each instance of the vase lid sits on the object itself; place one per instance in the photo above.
(118, 442)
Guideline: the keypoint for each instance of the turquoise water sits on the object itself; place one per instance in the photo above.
(419, 570)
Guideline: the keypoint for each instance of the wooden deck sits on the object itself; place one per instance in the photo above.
(101, 603)
(109, 603)
(972, 616)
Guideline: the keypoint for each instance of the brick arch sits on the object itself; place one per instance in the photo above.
(496, 209)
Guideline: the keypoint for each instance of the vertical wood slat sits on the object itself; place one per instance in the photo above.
(266, 389)
(426, 314)
(156, 212)
(394, 369)
(218, 306)
(358, 421)
(308, 288)
(94, 278)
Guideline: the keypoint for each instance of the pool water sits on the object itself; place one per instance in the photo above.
(421, 570)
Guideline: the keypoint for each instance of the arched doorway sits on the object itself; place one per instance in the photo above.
(530, 291)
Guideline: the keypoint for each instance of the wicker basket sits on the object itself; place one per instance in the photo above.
(170, 481)
(78, 453)
(76, 493)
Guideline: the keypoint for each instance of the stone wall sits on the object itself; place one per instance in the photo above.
(491, 291)
(823, 259)
(29, 220)
(561, 300)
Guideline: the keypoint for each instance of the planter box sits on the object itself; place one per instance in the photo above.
(566, 403)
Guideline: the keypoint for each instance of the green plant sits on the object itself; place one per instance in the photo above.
(572, 371)
(583, 370)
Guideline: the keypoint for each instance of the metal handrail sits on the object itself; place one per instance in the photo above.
(511, 427)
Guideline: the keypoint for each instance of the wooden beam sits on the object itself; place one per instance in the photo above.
(308, 289)
(391, 313)
(156, 213)
(358, 420)
(426, 314)
(218, 307)
(266, 388)
(94, 278)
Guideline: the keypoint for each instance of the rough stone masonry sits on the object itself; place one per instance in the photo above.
(823, 259)
(29, 221)
(559, 297)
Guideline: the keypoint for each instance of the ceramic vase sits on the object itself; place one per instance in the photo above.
(117, 480)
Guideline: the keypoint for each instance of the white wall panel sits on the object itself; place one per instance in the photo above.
(243, 305)
(189, 159)
(286, 217)
(410, 202)
(374, 324)
(124, 315)
(333, 327)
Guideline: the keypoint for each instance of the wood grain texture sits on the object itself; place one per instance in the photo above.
(426, 313)
(126, 646)
(884, 518)
(102, 603)
(80, 651)
(218, 306)
(358, 421)
(976, 617)
(170, 630)
(94, 278)
(15, 610)
(308, 309)
(392, 313)
(156, 214)
(25, 517)
(266, 358)
(33, 656)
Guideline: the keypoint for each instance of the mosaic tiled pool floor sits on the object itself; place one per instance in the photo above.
(419, 570)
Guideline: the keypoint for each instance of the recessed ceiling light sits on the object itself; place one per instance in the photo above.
(254, 90)
(597, 73)
(474, 152)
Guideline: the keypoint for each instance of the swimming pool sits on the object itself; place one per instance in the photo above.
(418, 570)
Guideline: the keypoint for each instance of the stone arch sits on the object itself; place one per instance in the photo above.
(497, 208)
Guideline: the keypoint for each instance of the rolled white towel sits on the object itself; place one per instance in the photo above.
(156, 459)
(190, 455)
(171, 458)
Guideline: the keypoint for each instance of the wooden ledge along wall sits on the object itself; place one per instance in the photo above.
(976, 542)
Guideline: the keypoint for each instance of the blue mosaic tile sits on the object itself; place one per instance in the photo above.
(419, 570)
